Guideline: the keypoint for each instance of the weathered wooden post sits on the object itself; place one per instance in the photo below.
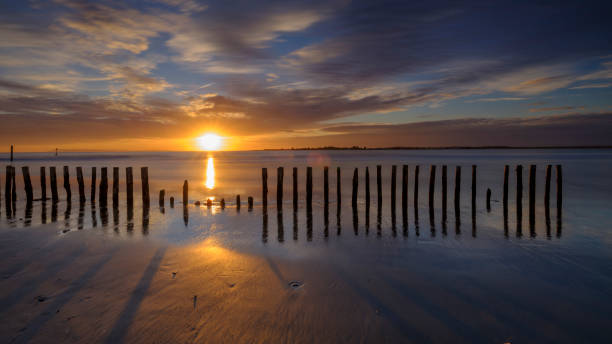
(81, 184)
(8, 187)
(172, 201)
(309, 188)
(338, 189)
(444, 192)
(355, 187)
(532, 191)
(129, 186)
(11, 153)
(416, 187)
(103, 186)
(93, 185)
(67, 183)
(115, 187)
(264, 187)
(185, 193)
(405, 194)
(432, 185)
(379, 185)
(295, 189)
(559, 191)
(279, 188)
(547, 187)
(144, 177)
(43, 183)
(457, 189)
(505, 195)
(519, 193)
(162, 196)
(473, 188)
(222, 203)
(488, 200)
(393, 187)
(367, 192)
(25, 170)
(250, 203)
(53, 180)
(237, 202)
(326, 186)
(14, 186)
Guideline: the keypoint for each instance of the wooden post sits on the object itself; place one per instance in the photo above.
(416, 187)
(93, 185)
(264, 187)
(473, 187)
(81, 184)
(519, 193)
(379, 185)
(488, 199)
(309, 188)
(14, 186)
(279, 188)
(103, 186)
(532, 191)
(115, 187)
(144, 177)
(405, 194)
(326, 186)
(162, 195)
(505, 196)
(547, 187)
(432, 185)
(457, 188)
(129, 186)
(8, 187)
(237, 202)
(172, 201)
(43, 183)
(53, 180)
(250, 203)
(393, 187)
(367, 192)
(444, 192)
(222, 203)
(25, 170)
(295, 189)
(559, 190)
(67, 183)
(185, 193)
(338, 189)
(11, 153)
(355, 186)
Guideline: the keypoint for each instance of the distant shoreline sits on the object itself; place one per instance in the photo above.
(332, 148)
(436, 148)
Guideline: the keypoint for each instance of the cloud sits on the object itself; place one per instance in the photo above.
(557, 108)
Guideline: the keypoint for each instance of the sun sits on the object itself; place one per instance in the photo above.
(209, 142)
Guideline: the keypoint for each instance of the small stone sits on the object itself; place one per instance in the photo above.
(41, 298)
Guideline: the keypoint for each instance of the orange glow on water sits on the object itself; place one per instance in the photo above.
(210, 173)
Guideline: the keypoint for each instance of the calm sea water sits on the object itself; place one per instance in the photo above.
(548, 281)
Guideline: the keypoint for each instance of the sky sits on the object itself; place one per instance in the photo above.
(157, 74)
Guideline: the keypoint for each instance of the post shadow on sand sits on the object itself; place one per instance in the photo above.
(126, 318)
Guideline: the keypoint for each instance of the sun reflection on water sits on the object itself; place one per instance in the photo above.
(210, 173)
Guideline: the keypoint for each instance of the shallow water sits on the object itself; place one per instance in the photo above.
(550, 281)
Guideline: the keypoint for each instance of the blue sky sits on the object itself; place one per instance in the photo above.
(270, 74)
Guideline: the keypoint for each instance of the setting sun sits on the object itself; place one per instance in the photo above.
(209, 142)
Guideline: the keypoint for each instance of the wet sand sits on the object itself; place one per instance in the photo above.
(88, 286)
